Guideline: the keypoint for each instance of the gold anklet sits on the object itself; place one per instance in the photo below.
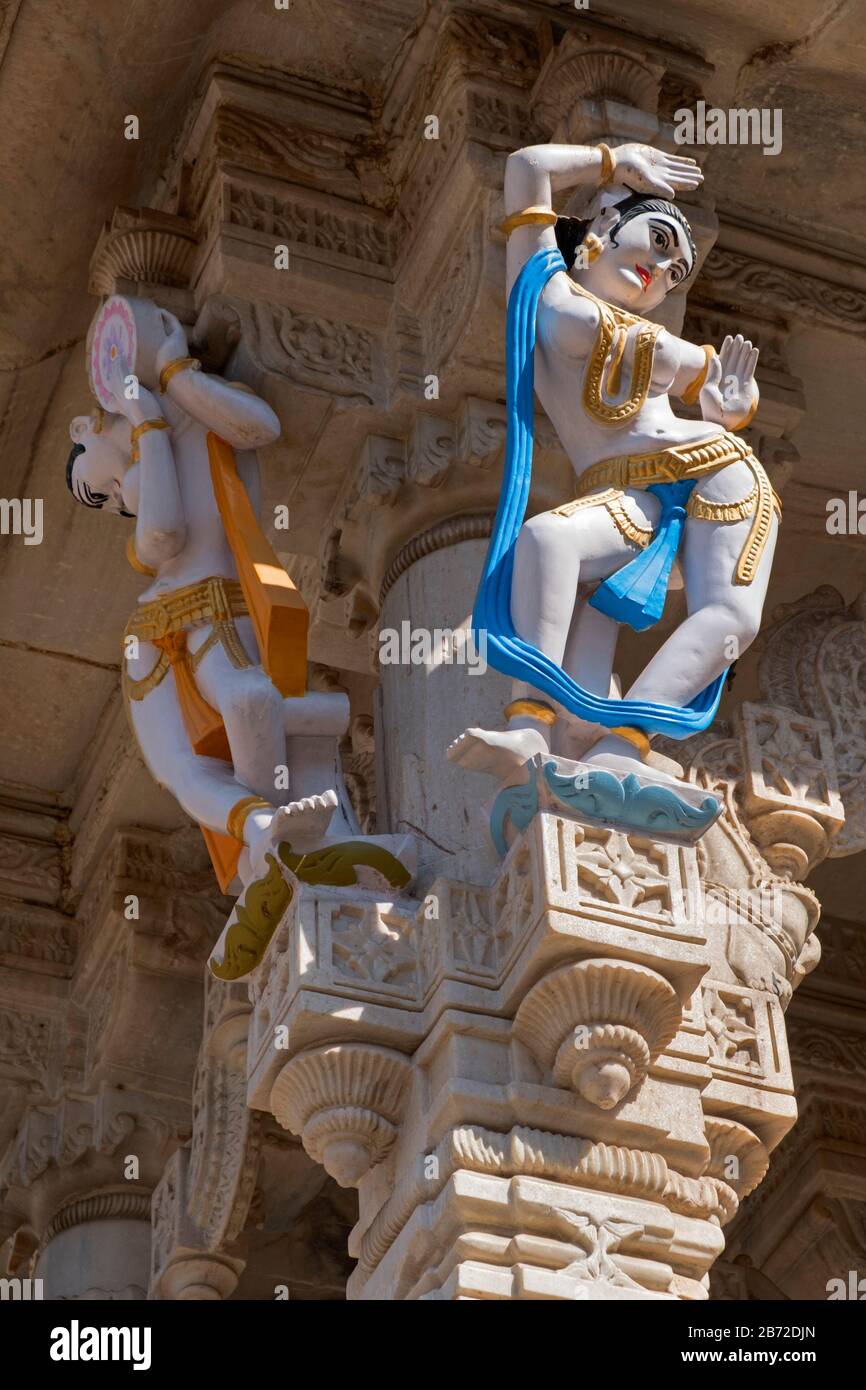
(635, 736)
(531, 709)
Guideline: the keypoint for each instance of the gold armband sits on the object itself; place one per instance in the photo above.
(635, 736)
(608, 164)
(180, 364)
(237, 816)
(144, 427)
(138, 565)
(540, 217)
(531, 709)
(141, 429)
(690, 395)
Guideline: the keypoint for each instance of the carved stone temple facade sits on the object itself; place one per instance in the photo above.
(393, 1106)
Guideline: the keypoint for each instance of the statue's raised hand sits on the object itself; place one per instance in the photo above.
(648, 170)
(729, 392)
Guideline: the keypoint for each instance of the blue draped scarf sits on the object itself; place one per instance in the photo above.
(635, 594)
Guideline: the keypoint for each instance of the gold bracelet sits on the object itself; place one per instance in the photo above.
(690, 395)
(237, 816)
(531, 709)
(635, 736)
(179, 364)
(608, 164)
(543, 217)
(144, 427)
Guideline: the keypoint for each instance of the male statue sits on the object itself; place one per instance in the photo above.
(215, 660)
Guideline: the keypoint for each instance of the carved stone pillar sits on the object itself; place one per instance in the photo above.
(538, 1088)
(81, 1173)
(428, 592)
(97, 1247)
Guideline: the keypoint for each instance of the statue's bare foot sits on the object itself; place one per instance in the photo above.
(618, 755)
(302, 824)
(498, 753)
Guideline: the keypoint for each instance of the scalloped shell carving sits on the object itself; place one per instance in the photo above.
(598, 1024)
(143, 254)
(597, 75)
(346, 1102)
(730, 1139)
(344, 1074)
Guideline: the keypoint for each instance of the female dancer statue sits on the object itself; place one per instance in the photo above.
(650, 484)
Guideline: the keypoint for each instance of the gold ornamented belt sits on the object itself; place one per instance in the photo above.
(672, 465)
(216, 602)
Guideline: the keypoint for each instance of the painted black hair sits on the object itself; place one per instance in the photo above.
(571, 231)
(81, 492)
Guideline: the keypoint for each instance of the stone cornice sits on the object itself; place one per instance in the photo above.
(737, 277)
(794, 248)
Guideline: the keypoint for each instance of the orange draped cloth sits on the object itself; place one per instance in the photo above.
(280, 620)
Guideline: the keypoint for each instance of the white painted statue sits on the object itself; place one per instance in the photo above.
(605, 376)
(215, 654)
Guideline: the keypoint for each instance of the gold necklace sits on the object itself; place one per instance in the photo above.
(615, 322)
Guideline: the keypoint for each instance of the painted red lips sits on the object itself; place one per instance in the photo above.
(646, 277)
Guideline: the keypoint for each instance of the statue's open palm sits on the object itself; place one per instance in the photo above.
(728, 394)
(652, 171)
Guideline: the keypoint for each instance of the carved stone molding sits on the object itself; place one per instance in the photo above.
(790, 792)
(227, 1135)
(318, 353)
(30, 868)
(559, 1157)
(98, 1206)
(811, 653)
(323, 225)
(436, 445)
(441, 537)
(40, 936)
(43, 1163)
(183, 1267)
